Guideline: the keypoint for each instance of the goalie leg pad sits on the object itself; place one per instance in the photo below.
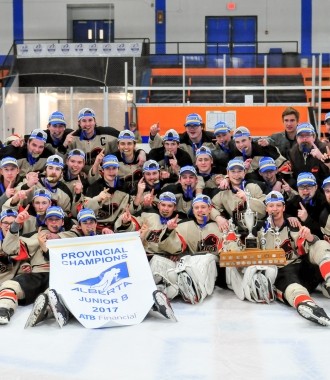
(258, 283)
(159, 267)
(202, 271)
(234, 279)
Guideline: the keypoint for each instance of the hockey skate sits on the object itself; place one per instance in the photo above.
(60, 311)
(313, 313)
(40, 311)
(5, 315)
(162, 305)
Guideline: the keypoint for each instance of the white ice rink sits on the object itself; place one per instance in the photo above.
(222, 338)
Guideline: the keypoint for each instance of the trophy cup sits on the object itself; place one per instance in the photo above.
(249, 220)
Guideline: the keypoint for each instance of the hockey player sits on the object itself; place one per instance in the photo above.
(108, 197)
(24, 288)
(32, 156)
(10, 266)
(49, 304)
(307, 204)
(90, 138)
(240, 194)
(170, 157)
(308, 154)
(9, 178)
(51, 180)
(155, 220)
(250, 152)
(194, 275)
(308, 266)
(191, 140)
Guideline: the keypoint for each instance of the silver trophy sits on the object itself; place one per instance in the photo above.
(249, 220)
(275, 231)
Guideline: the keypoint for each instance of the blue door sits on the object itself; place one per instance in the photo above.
(235, 36)
(93, 31)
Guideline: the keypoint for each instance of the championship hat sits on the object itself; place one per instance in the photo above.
(266, 164)
(110, 161)
(150, 165)
(56, 118)
(306, 178)
(167, 196)
(38, 134)
(85, 214)
(188, 169)
(236, 162)
(171, 135)
(86, 112)
(274, 196)
(8, 161)
(55, 160)
(193, 120)
(8, 212)
(54, 211)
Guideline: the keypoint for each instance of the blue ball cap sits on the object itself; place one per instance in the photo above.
(274, 196)
(235, 163)
(8, 161)
(202, 198)
(56, 118)
(241, 132)
(42, 193)
(85, 214)
(266, 164)
(203, 150)
(326, 182)
(150, 165)
(194, 120)
(221, 128)
(306, 178)
(54, 211)
(8, 212)
(38, 134)
(167, 196)
(171, 135)
(110, 161)
(86, 112)
(188, 169)
(305, 128)
(55, 160)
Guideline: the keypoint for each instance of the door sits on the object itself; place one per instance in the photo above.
(93, 31)
(235, 36)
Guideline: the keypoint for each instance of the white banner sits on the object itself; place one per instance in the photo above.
(44, 50)
(104, 280)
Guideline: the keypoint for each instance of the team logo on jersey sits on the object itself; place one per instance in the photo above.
(288, 249)
(106, 279)
(153, 236)
(107, 211)
(210, 244)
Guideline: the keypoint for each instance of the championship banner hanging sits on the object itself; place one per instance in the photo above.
(44, 50)
(104, 280)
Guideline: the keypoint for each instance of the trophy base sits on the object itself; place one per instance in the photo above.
(252, 257)
(251, 243)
